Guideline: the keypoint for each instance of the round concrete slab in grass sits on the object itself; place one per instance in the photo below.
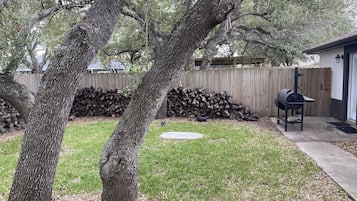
(181, 136)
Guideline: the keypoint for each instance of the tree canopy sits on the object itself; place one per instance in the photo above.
(14, 34)
(279, 30)
(32, 29)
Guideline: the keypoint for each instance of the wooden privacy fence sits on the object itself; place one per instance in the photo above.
(258, 87)
(254, 87)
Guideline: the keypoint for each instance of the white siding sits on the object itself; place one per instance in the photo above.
(327, 59)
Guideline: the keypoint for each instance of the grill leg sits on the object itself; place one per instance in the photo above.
(302, 118)
(278, 119)
(286, 118)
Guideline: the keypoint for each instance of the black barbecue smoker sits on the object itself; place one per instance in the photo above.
(288, 99)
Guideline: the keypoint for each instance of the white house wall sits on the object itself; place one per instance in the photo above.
(327, 59)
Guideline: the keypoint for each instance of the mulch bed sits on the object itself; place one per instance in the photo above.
(350, 146)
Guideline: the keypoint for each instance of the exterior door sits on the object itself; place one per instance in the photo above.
(352, 88)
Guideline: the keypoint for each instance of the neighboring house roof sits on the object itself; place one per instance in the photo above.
(114, 65)
(344, 40)
(23, 68)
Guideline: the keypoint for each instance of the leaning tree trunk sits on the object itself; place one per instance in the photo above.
(37, 162)
(119, 159)
(211, 47)
(18, 95)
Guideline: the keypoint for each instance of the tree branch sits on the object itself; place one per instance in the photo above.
(50, 11)
(117, 53)
(189, 5)
(136, 17)
(261, 15)
(254, 41)
(18, 95)
(219, 36)
(139, 15)
(252, 29)
(44, 61)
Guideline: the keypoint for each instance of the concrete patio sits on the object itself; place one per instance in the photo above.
(315, 140)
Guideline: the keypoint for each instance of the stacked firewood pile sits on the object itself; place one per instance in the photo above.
(181, 102)
(200, 103)
(9, 118)
(99, 102)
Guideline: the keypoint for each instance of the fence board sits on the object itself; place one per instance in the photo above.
(32, 81)
(254, 87)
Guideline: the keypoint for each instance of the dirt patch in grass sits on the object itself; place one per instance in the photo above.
(83, 120)
(78, 197)
(84, 197)
(11, 135)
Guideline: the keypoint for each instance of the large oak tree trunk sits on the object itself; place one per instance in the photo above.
(37, 162)
(119, 159)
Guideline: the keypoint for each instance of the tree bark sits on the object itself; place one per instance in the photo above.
(18, 95)
(38, 158)
(211, 47)
(119, 159)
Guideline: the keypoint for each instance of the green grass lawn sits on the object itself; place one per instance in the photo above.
(234, 161)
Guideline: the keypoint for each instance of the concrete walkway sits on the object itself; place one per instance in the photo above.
(315, 140)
